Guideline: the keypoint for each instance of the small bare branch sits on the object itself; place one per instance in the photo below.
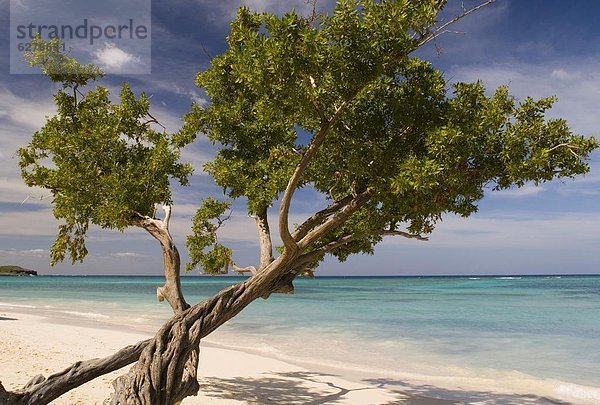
(436, 32)
(314, 16)
(153, 120)
(404, 234)
(221, 221)
(343, 241)
(243, 270)
(167, 220)
(208, 55)
(41, 198)
(569, 146)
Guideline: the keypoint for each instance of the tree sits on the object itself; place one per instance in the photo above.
(336, 104)
(109, 166)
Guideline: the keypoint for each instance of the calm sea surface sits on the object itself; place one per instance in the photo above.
(511, 330)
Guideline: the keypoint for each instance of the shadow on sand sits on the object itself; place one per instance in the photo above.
(424, 394)
(3, 318)
(302, 388)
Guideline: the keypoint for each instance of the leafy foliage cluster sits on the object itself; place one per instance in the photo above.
(423, 147)
(102, 161)
(203, 245)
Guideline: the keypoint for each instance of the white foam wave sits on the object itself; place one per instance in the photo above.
(578, 392)
(508, 278)
(6, 304)
(92, 315)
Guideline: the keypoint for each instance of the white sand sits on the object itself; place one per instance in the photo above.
(31, 345)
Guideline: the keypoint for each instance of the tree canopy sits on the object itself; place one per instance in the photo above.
(380, 120)
(103, 161)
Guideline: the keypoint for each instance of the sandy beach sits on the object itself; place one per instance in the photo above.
(32, 344)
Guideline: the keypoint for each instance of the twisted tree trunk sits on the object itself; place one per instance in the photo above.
(162, 374)
(171, 290)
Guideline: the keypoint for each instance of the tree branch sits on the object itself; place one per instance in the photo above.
(171, 290)
(153, 120)
(429, 36)
(147, 223)
(330, 224)
(403, 234)
(42, 390)
(319, 217)
(264, 239)
(284, 209)
(308, 257)
(167, 220)
(569, 146)
(244, 270)
(313, 99)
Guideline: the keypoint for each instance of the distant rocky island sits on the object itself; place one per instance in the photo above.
(16, 271)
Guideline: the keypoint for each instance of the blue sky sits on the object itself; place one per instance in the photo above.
(538, 47)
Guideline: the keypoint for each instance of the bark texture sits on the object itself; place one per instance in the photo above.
(162, 375)
(41, 390)
(159, 229)
(264, 239)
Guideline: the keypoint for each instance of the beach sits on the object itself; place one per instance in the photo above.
(32, 345)
(338, 341)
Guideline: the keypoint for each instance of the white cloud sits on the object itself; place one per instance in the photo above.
(15, 191)
(538, 230)
(171, 87)
(19, 118)
(19, 3)
(112, 57)
(126, 254)
(28, 223)
(578, 99)
(26, 113)
(201, 101)
(561, 74)
(525, 191)
(24, 253)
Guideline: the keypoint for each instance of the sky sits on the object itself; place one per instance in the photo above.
(538, 47)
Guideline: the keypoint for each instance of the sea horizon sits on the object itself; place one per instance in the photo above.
(517, 332)
(209, 276)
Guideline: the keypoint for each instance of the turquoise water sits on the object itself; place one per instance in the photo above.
(538, 329)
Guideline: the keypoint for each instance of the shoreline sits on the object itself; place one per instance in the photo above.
(236, 375)
(34, 344)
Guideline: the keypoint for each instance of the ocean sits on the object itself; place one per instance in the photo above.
(537, 334)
